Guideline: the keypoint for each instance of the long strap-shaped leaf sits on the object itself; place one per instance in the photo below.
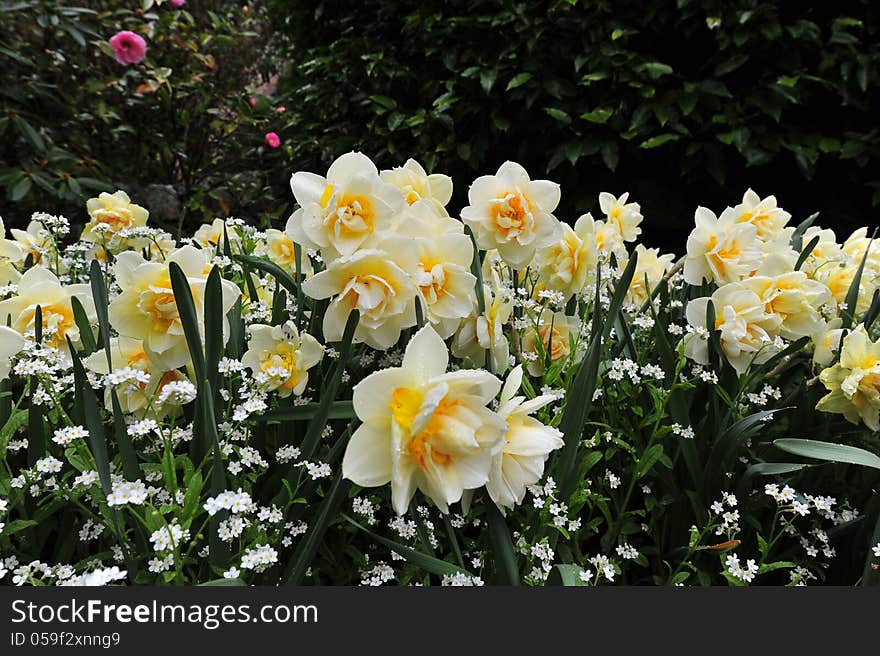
(213, 316)
(828, 451)
(316, 426)
(98, 446)
(852, 295)
(219, 550)
(505, 556)
(305, 552)
(267, 266)
(186, 309)
(338, 410)
(580, 398)
(130, 467)
(427, 563)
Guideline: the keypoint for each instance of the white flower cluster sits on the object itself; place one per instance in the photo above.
(259, 558)
(236, 502)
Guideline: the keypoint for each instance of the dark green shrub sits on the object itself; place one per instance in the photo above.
(176, 131)
(681, 103)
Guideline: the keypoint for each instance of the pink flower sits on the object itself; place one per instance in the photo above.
(178, 3)
(253, 101)
(281, 109)
(128, 47)
(273, 140)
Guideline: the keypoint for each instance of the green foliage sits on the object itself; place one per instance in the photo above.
(177, 130)
(683, 100)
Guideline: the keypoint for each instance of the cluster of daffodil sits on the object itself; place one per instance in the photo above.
(767, 294)
(466, 340)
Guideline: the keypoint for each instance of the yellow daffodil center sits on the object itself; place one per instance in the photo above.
(512, 215)
(57, 319)
(405, 404)
(354, 214)
(157, 301)
(283, 360)
(117, 218)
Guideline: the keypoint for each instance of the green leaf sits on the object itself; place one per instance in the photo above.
(213, 317)
(805, 253)
(773, 468)
(427, 563)
(186, 308)
(337, 410)
(266, 266)
(17, 525)
(219, 550)
(308, 547)
(852, 295)
(828, 451)
(659, 140)
(567, 575)
(518, 80)
(503, 551)
(31, 136)
(20, 190)
(598, 115)
(656, 69)
(559, 115)
(223, 583)
(82, 323)
(651, 455)
(798, 236)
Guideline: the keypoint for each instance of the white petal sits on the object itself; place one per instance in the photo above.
(367, 460)
(426, 354)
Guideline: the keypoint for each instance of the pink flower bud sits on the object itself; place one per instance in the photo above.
(128, 47)
(273, 140)
(281, 109)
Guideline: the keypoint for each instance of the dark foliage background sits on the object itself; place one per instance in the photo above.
(678, 102)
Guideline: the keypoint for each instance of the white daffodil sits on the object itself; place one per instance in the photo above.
(442, 275)
(853, 383)
(139, 381)
(40, 287)
(349, 209)
(415, 184)
(378, 283)
(826, 342)
(527, 444)
(280, 249)
(650, 269)
(790, 295)
(480, 334)
(110, 213)
(147, 309)
(212, 235)
(768, 219)
(513, 213)
(569, 264)
(34, 241)
(606, 238)
(747, 328)
(11, 255)
(721, 251)
(424, 428)
(625, 217)
(550, 339)
(283, 356)
(11, 342)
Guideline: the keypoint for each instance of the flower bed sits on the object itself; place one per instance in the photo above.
(383, 392)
